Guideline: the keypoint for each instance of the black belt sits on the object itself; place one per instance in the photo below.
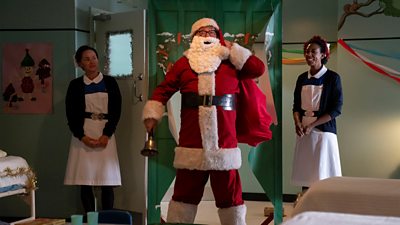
(192, 100)
(96, 116)
(310, 113)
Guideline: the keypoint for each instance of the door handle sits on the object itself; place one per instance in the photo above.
(140, 76)
(138, 97)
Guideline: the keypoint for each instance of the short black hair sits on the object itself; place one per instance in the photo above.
(79, 52)
(323, 44)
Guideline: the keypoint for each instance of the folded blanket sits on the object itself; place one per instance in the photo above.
(13, 170)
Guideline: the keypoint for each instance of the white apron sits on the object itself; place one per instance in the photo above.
(93, 166)
(316, 155)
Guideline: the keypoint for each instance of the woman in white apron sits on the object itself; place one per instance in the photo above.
(93, 108)
(318, 100)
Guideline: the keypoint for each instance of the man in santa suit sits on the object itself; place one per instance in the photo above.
(208, 77)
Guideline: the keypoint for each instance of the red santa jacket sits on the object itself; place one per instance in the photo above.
(207, 138)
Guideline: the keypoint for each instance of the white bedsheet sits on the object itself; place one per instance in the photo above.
(355, 195)
(13, 171)
(329, 218)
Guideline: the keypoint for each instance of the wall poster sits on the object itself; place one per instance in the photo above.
(27, 86)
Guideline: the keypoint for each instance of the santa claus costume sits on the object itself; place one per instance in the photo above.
(208, 77)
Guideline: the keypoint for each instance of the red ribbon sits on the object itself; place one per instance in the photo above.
(369, 64)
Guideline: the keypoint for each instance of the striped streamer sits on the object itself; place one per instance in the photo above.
(393, 74)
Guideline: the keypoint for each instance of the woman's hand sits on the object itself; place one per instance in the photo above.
(103, 141)
(150, 124)
(307, 129)
(321, 120)
(90, 142)
(299, 129)
(297, 124)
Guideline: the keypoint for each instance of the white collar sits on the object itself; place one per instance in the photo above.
(96, 80)
(319, 74)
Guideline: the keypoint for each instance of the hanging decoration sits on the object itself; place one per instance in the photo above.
(298, 60)
(375, 52)
(393, 74)
(169, 42)
(292, 61)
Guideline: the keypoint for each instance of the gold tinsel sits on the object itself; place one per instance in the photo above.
(21, 171)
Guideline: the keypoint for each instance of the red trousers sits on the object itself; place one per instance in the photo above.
(226, 187)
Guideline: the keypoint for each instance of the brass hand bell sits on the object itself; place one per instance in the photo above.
(150, 147)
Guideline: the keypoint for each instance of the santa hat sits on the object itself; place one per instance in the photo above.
(205, 22)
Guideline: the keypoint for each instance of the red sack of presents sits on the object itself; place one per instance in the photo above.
(252, 119)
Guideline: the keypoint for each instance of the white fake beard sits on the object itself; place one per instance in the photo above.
(205, 54)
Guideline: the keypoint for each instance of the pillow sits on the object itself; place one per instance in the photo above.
(3, 153)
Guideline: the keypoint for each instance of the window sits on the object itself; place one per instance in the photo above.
(119, 54)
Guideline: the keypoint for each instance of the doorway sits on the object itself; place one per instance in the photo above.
(120, 41)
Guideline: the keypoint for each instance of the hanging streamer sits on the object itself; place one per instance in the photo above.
(376, 67)
(378, 53)
(294, 51)
(293, 61)
(298, 61)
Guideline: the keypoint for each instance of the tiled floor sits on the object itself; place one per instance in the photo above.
(207, 212)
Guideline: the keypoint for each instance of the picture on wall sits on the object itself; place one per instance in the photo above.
(27, 86)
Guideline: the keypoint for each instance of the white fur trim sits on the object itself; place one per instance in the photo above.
(239, 55)
(179, 212)
(153, 109)
(206, 57)
(208, 114)
(235, 215)
(199, 159)
(208, 127)
(206, 83)
(203, 22)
